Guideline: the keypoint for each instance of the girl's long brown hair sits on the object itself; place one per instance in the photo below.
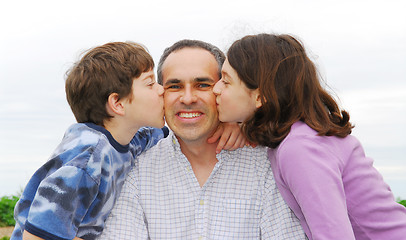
(289, 87)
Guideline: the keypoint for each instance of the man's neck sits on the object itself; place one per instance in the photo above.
(202, 158)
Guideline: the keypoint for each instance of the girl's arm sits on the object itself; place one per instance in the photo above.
(230, 136)
(312, 174)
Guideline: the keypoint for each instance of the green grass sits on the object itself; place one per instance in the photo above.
(403, 202)
(7, 204)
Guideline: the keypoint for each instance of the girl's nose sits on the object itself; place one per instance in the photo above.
(217, 88)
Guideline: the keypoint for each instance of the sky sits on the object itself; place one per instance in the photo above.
(358, 46)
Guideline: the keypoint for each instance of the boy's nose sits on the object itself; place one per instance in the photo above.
(160, 89)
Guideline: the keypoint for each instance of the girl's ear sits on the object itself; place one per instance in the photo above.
(257, 98)
(115, 105)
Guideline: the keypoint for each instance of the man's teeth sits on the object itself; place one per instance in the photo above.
(189, 115)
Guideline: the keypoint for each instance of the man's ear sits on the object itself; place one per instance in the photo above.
(257, 98)
(115, 105)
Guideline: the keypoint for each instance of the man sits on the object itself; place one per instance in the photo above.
(180, 189)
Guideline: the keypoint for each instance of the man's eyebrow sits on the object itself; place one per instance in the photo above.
(203, 79)
(172, 81)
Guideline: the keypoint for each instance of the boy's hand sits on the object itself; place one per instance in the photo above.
(230, 136)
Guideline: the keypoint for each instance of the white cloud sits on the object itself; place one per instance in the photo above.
(359, 46)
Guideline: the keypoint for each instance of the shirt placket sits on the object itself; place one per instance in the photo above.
(200, 211)
(202, 206)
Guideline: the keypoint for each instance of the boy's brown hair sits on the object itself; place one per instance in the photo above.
(103, 70)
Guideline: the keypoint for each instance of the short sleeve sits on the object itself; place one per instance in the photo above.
(60, 203)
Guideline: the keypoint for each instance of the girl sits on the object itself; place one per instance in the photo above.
(271, 86)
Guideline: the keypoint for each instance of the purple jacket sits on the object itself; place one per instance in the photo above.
(333, 188)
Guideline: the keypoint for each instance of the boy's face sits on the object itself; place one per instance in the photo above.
(146, 107)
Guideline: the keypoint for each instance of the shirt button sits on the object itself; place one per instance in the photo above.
(201, 202)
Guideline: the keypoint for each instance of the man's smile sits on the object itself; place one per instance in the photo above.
(189, 115)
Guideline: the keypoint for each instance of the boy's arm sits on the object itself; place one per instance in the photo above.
(146, 138)
(29, 236)
(61, 201)
(127, 219)
(230, 136)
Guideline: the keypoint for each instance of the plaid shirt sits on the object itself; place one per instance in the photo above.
(162, 199)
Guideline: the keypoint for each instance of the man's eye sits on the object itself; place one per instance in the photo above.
(204, 85)
(173, 87)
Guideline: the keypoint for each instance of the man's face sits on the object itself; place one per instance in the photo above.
(189, 75)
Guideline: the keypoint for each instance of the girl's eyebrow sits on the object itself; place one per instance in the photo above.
(223, 73)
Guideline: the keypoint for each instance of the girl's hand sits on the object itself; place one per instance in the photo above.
(230, 136)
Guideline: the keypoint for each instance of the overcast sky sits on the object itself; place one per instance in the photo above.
(359, 47)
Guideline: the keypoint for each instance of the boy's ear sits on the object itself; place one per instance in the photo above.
(257, 97)
(115, 104)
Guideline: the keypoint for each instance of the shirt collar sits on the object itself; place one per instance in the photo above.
(223, 155)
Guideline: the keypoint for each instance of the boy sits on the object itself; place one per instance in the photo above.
(112, 93)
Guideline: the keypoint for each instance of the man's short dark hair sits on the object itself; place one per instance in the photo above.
(187, 43)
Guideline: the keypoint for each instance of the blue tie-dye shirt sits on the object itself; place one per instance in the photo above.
(73, 193)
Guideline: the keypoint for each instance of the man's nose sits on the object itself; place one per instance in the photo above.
(188, 96)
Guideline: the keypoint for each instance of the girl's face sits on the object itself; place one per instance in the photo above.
(235, 102)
